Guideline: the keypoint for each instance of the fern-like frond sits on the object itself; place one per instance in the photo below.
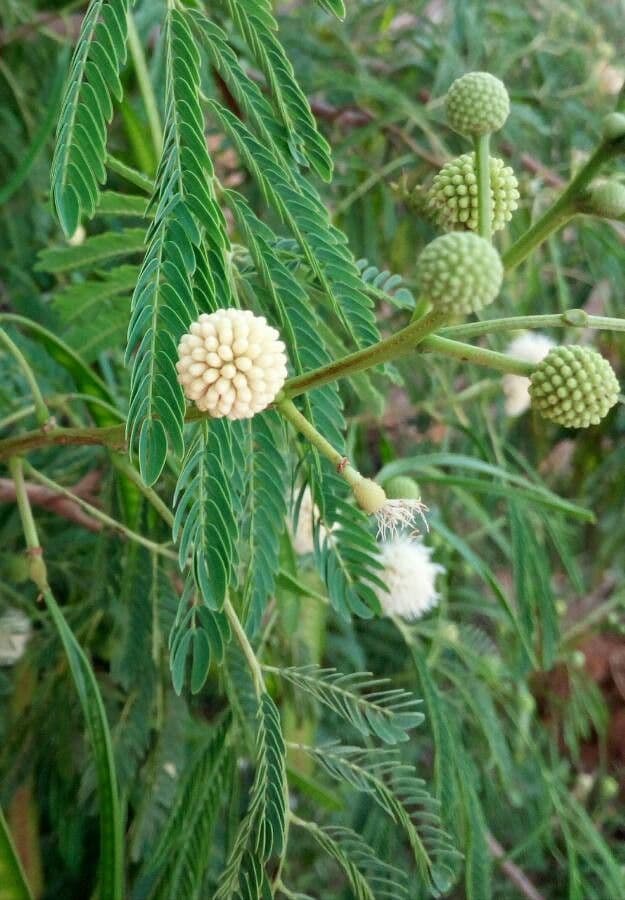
(78, 164)
(200, 635)
(369, 877)
(262, 831)
(266, 512)
(205, 525)
(384, 286)
(404, 797)
(182, 853)
(186, 215)
(301, 209)
(257, 24)
(367, 703)
(347, 557)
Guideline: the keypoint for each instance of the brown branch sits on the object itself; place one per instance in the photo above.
(56, 503)
(111, 436)
(514, 874)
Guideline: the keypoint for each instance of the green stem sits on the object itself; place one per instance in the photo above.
(131, 175)
(248, 651)
(562, 210)
(110, 436)
(42, 413)
(290, 412)
(396, 345)
(482, 172)
(123, 464)
(478, 355)
(16, 468)
(145, 86)
(98, 514)
(573, 318)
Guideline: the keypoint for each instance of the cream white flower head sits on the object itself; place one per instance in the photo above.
(531, 347)
(15, 632)
(410, 576)
(231, 363)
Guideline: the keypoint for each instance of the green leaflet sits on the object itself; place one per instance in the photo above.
(87, 108)
(262, 831)
(205, 525)
(301, 209)
(256, 22)
(111, 866)
(13, 884)
(368, 876)
(394, 786)
(94, 313)
(347, 558)
(335, 7)
(182, 853)
(266, 512)
(100, 248)
(367, 703)
(164, 302)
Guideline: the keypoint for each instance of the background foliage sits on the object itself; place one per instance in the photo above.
(514, 780)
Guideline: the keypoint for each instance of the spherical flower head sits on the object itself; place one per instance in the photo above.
(531, 347)
(477, 103)
(410, 576)
(231, 363)
(15, 632)
(452, 200)
(574, 386)
(459, 273)
(607, 199)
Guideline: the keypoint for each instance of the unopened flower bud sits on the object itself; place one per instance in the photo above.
(477, 103)
(459, 273)
(401, 487)
(452, 201)
(574, 386)
(607, 199)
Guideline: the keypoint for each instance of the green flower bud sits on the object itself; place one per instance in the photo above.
(477, 103)
(452, 200)
(574, 386)
(459, 272)
(614, 127)
(401, 487)
(370, 496)
(607, 199)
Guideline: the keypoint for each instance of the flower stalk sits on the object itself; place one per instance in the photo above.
(482, 172)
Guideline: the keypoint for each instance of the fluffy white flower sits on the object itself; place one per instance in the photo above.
(410, 576)
(232, 363)
(530, 347)
(15, 631)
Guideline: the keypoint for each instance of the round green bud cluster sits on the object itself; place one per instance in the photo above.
(607, 199)
(459, 273)
(477, 103)
(614, 127)
(574, 386)
(452, 199)
(402, 487)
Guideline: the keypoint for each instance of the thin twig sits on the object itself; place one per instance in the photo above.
(514, 874)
